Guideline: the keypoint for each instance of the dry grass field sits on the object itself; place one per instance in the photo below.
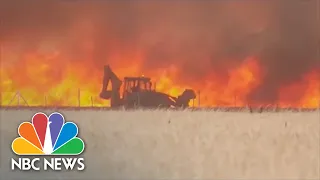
(183, 145)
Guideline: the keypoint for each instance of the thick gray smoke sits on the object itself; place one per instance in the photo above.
(201, 37)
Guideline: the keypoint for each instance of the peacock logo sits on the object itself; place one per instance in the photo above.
(48, 136)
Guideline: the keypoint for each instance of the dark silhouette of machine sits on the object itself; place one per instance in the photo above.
(138, 92)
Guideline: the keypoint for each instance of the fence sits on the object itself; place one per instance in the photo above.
(70, 99)
(83, 99)
(78, 98)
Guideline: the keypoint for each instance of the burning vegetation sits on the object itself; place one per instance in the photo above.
(230, 53)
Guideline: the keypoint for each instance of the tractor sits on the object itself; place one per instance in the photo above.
(139, 92)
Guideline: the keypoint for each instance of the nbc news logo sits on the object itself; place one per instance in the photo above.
(48, 136)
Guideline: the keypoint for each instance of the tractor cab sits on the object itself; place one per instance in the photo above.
(136, 84)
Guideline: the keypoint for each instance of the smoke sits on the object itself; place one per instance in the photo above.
(292, 46)
(199, 37)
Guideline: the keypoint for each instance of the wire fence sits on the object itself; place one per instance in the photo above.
(71, 98)
(83, 100)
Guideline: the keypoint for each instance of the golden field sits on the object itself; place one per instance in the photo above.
(183, 145)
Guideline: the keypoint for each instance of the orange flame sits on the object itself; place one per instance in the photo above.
(309, 86)
(51, 79)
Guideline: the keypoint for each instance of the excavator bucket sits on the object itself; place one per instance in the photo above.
(184, 99)
(106, 94)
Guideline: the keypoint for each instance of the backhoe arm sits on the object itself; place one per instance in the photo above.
(114, 94)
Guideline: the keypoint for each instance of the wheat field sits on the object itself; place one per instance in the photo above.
(182, 145)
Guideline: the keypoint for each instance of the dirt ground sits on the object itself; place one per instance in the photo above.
(183, 145)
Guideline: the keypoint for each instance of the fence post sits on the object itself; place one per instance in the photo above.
(198, 98)
(18, 93)
(79, 97)
(45, 101)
